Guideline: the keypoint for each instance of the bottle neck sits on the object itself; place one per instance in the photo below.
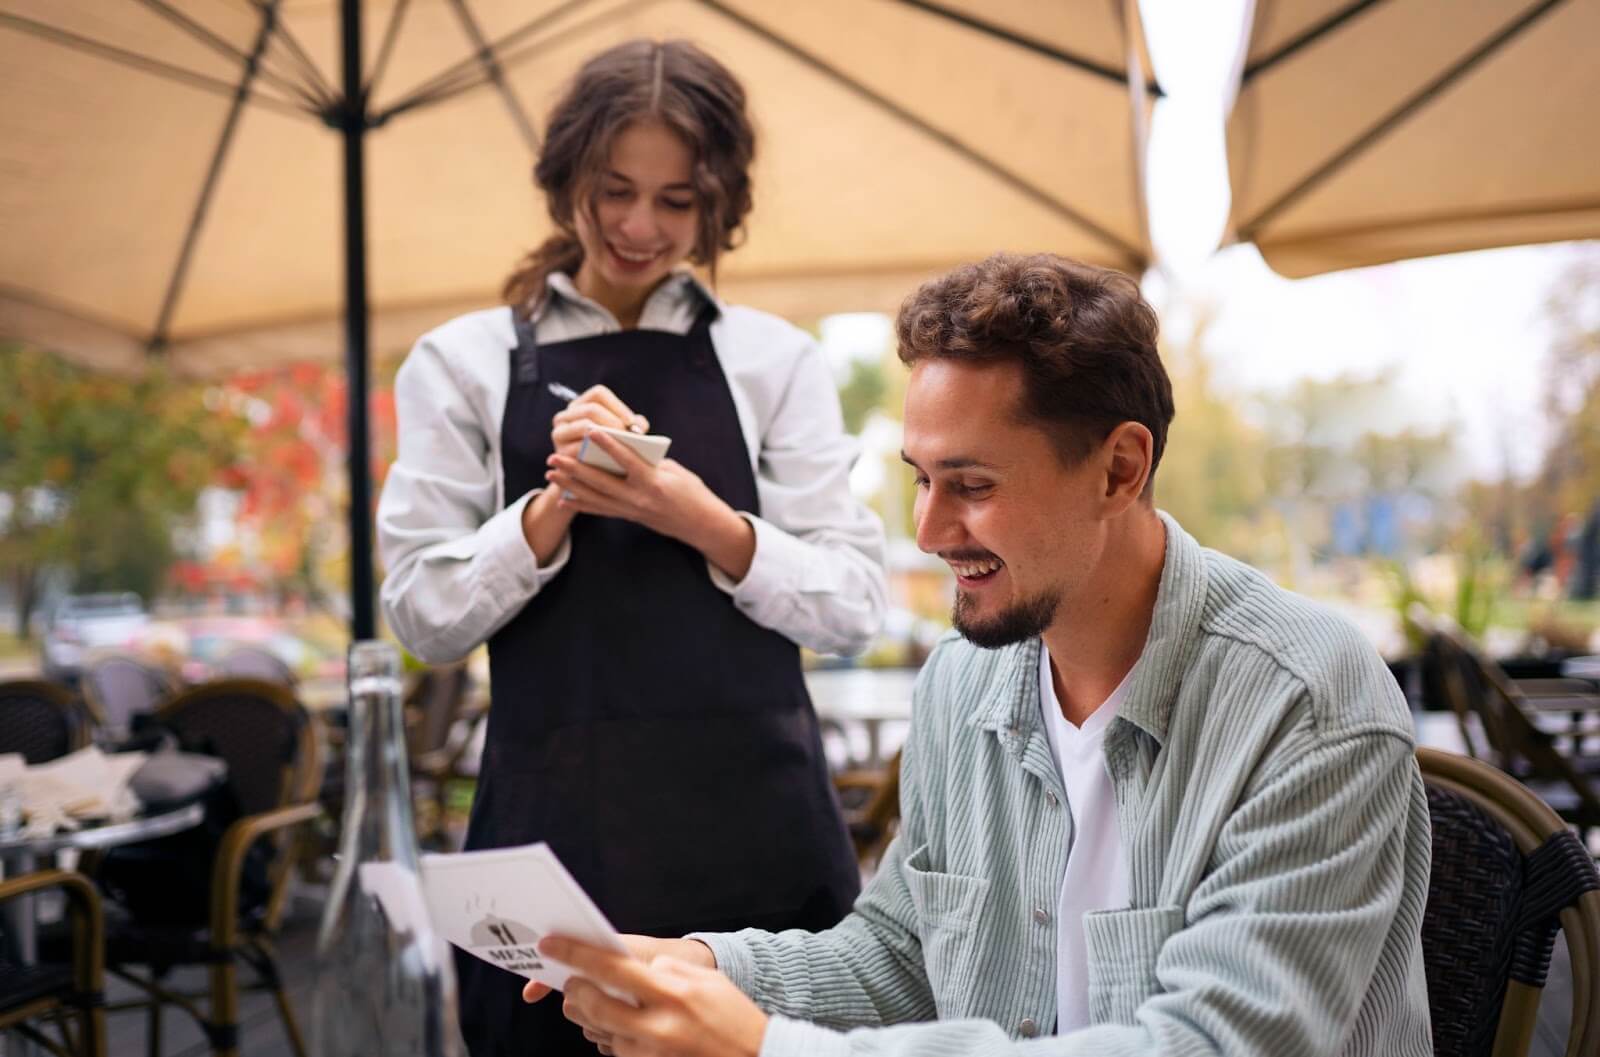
(377, 813)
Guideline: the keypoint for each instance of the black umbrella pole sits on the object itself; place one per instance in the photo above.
(354, 128)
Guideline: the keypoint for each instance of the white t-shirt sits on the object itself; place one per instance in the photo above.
(1096, 876)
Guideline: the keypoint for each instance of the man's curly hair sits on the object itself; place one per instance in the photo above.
(1085, 336)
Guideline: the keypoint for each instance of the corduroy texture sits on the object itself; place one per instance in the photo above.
(1274, 821)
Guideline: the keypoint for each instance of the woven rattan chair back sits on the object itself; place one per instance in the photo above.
(259, 729)
(40, 720)
(1507, 873)
(435, 701)
(253, 662)
(118, 688)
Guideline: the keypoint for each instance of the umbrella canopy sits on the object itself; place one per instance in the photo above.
(1367, 131)
(173, 167)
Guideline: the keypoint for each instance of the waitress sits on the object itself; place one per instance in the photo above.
(649, 719)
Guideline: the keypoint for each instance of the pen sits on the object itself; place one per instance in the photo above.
(567, 393)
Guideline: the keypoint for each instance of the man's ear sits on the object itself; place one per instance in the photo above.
(1126, 451)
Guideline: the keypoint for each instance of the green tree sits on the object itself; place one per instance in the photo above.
(862, 393)
(1570, 475)
(96, 472)
(1210, 477)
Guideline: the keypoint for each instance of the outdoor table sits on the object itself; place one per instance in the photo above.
(1586, 668)
(19, 853)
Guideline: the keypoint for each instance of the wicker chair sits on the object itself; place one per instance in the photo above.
(1506, 874)
(42, 721)
(870, 800)
(267, 740)
(73, 989)
(117, 688)
(1509, 719)
(438, 711)
(254, 662)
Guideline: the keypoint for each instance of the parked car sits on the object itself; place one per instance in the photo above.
(82, 624)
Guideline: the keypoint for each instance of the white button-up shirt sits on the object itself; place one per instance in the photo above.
(458, 564)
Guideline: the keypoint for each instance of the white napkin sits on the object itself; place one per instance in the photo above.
(84, 784)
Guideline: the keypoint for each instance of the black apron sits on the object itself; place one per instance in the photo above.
(661, 742)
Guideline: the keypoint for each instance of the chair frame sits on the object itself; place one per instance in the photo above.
(228, 939)
(1531, 823)
(88, 968)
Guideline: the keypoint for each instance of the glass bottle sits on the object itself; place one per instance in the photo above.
(385, 983)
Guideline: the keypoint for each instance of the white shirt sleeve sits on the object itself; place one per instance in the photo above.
(458, 568)
(818, 572)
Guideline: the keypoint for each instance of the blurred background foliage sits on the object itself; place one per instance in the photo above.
(191, 492)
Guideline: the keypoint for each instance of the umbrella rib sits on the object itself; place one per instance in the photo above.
(191, 237)
(391, 33)
(1039, 47)
(1307, 38)
(222, 47)
(299, 55)
(1419, 99)
(180, 74)
(492, 70)
(449, 80)
(938, 135)
(469, 75)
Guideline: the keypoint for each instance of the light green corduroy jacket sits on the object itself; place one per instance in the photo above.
(1275, 826)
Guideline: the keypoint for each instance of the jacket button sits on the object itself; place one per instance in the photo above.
(1050, 798)
(1028, 1028)
(1041, 915)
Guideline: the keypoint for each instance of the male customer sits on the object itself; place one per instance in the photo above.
(1151, 804)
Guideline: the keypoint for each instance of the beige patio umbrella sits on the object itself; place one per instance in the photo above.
(188, 179)
(899, 138)
(1367, 131)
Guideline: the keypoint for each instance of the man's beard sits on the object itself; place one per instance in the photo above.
(1025, 620)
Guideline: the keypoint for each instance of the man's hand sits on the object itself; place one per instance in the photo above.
(646, 949)
(686, 1008)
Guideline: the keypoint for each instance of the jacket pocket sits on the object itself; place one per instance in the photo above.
(948, 906)
(1123, 946)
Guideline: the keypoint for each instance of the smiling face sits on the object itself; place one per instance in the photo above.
(645, 217)
(1021, 530)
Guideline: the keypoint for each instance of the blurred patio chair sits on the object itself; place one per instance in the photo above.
(71, 989)
(1503, 725)
(870, 801)
(118, 688)
(40, 720)
(266, 738)
(255, 662)
(1506, 875)
(439, 712)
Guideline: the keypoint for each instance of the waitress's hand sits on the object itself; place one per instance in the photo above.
(668, 498)
(545, 520)
(595, 406)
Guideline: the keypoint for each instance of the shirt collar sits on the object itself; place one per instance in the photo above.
(682, 294)
(1012, 707)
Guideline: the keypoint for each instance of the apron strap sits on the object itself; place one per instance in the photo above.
(525, 357)
(701, 351)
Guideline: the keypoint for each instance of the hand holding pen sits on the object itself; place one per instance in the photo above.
(595, 406)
